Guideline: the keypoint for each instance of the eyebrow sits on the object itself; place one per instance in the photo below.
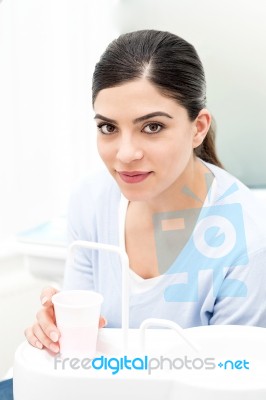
(139, 119)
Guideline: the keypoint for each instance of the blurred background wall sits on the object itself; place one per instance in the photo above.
(48, 50)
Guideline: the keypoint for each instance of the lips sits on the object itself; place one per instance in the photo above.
(133, 176)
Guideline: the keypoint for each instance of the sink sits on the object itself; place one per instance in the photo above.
(213, 362)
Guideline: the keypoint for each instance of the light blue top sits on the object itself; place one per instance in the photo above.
(217, 275)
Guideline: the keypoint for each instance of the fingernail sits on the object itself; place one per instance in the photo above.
(54, 336)
(38, 344)
(44, 300)
(54, 348)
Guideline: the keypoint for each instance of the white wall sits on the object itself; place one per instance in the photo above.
(48, 50)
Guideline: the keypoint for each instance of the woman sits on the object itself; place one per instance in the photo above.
(193, 233)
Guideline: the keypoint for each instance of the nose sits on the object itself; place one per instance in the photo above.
(129, 149)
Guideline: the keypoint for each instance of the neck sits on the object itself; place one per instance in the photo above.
(189, 191)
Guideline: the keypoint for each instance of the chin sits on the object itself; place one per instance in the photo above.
(136, 195)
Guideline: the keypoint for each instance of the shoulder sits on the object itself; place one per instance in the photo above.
(229, 189)
(227, 184)
(92, 195)
(239, 202)
(95, 187)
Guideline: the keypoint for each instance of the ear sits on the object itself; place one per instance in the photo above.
(201, 126)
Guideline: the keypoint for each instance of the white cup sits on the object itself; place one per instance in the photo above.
(77, 314)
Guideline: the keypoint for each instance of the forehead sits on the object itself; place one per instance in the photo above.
(133, 97)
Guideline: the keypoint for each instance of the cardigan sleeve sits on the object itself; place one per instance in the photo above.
(247, 306)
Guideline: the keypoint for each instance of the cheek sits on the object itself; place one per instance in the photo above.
(178, 153)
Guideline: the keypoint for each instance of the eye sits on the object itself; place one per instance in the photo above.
(153, 127)
(106, 129)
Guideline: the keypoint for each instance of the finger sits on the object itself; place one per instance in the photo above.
(32, 339)
(43, 339)
(102, 322)
(47, 294)
(46, 320)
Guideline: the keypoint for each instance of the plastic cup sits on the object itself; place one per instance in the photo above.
(77, 314)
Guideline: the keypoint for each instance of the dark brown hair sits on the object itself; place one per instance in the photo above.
(168, 62)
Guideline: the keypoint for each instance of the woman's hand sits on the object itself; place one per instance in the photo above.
(44, 333)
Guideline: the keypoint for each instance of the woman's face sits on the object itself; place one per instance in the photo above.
(145, 139)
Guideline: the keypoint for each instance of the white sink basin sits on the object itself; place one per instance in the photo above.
(240, 351)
